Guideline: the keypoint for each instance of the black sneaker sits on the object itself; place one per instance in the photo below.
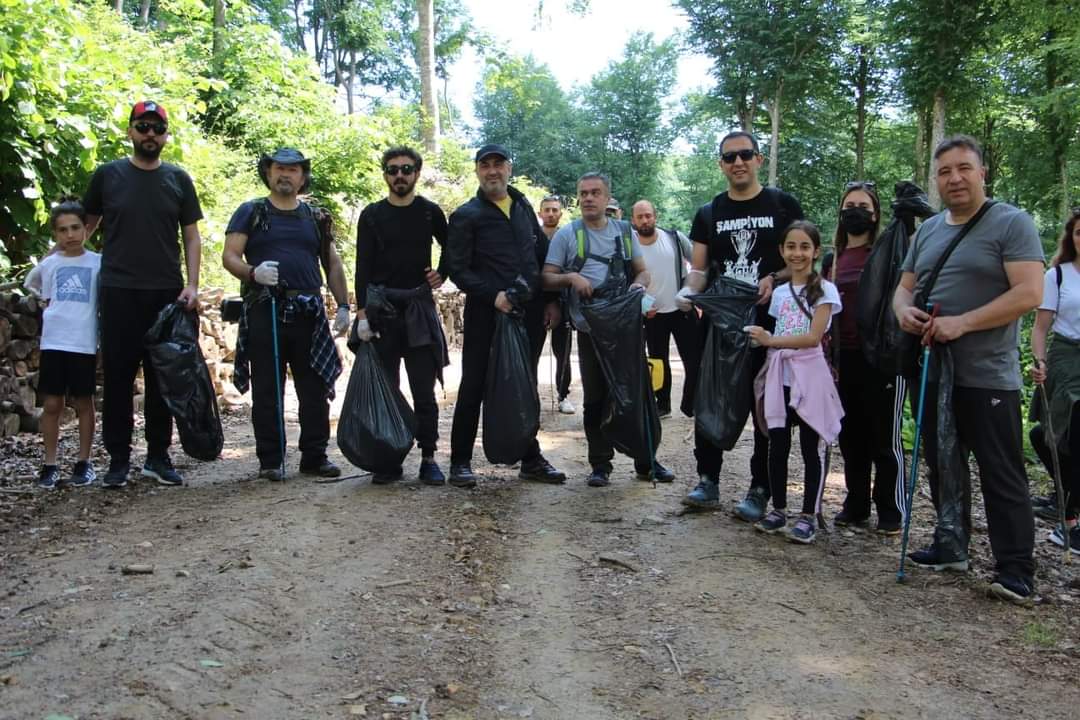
(273, 474)
(773, 523)
(48, 477)
(386, 478)
(161, 469)
(82, 474)
(430, 473)
(540, 470)
(888, 527)
(1048, 512)
(846, 519)
(706, 496)
(930, 557)
(323, 468)
(462, 476)
(659, 474)
(752, 507)
(1013, 589)
(599, 477)
(117, 475)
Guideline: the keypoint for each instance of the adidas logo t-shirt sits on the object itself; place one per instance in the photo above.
(70, 284)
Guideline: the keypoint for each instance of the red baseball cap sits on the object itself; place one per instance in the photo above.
(147, 107)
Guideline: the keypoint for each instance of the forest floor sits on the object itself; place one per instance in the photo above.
(513, 600)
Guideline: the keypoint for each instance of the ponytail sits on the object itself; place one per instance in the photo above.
(813, 290)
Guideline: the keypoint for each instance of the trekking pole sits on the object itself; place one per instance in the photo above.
(279, 401)
(1057, 470)
(909, 494)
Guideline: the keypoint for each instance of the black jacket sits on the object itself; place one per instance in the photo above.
(487, 251)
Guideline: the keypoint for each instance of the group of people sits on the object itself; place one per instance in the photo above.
(809, 369)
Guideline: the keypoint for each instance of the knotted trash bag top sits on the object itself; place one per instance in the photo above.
(631, 421)
(511, 402)
(724, 395)
(377, 427)
(184, 380)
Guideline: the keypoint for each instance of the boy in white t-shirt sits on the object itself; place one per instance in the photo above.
(68, 280)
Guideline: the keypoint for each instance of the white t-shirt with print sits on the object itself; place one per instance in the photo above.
(70, 284)
(791, 320)
(660, 262)
(1065, 304)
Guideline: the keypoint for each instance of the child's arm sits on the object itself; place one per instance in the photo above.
(796, 342)
(35, 278)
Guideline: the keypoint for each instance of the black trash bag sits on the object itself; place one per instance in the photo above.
(879, 330)
(511, 401)
(184, 380)
(725, 389)
(377, 427)
(631, 421)
(952, 490)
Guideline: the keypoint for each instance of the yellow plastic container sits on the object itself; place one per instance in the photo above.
(656, 372)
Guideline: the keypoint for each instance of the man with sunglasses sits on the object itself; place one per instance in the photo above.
(143, 206)
(739, 233)
(494, 243)
(393, 252)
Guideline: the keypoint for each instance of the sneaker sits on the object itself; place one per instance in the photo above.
(929, 557)
(117, 475)
(772, 523)
(706, 496)
(48, 477)
(803, 531)
(566, 407)
(82, 474)
(540, 470)
(1048, 512)
(888, 527)
(1058, 538)
(752, 507)
(386, 478)
(323, 468)
(462, 476)
(659, 474)
(273, 474)
(664, 413)
(429, 473)
(161, 469)
(1013, 589)
(846, 519)
(599, 477)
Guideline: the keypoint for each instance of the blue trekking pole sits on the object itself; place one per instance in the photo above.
(909, 493)
(278, 399)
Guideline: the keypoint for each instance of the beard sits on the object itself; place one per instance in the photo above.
(147, 150)
(402, 189)
(285, 186)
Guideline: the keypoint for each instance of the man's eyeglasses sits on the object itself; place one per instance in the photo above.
(143, 127)
(393, 170)
(860, 185)
(744, 155)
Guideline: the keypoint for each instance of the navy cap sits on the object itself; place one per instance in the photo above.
(492, 149)
(285, 156)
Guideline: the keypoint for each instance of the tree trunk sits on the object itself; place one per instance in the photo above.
(920, 177)
(299, 27)
(219, 29)
(774, 141)
(990, 154)
(447, 118)
(937, 134)
(349, 82)
(744, 111)
(144, 14)
(860, 111)
(118, 6)
(428, 95)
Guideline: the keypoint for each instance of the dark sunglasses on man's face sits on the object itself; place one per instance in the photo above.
(144, 127)
(393, 170)
(744, 155)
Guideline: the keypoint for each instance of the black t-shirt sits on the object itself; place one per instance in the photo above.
(393, 244)
(744, 235)
(291, 239)
(141, 212)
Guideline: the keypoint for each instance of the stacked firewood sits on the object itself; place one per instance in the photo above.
(20, 358)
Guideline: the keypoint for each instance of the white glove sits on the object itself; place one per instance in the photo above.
(363, 330)
(266, 273)
(682, 299)
(341, 320)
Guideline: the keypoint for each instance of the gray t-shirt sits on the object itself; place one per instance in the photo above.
(973, 276)
(563, 251)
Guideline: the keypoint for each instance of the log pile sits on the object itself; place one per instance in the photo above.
(20, 358)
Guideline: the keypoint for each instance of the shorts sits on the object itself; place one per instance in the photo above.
(67, 373)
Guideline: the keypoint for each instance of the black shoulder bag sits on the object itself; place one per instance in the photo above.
(910, 351)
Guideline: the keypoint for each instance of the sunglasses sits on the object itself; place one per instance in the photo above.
(393, 170)
(861, 184)
(144, 127)
(744, 155)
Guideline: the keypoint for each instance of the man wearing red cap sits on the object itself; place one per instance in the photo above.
(144, 206)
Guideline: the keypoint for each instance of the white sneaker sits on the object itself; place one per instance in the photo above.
(566, 407)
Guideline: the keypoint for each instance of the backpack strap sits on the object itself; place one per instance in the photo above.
(1057, 273)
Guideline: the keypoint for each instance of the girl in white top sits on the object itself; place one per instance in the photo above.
(68, 280)
(1059, 369)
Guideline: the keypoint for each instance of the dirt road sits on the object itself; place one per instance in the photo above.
(307, 600)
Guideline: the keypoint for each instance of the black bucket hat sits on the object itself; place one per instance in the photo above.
(285, 156)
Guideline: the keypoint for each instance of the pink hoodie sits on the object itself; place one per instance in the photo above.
(813, 392)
